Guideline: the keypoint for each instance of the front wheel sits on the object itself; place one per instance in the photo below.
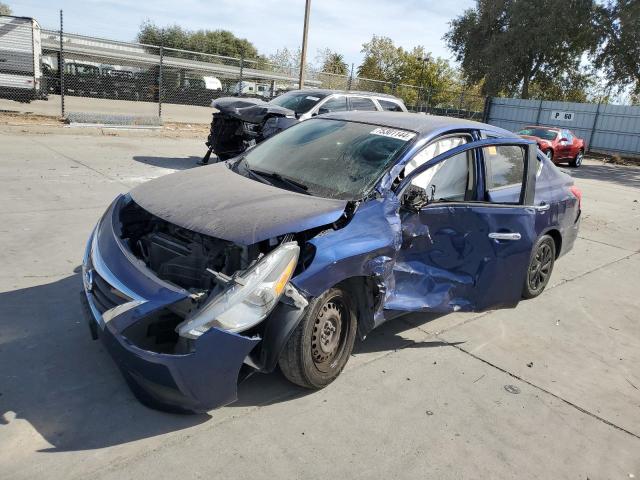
(320, 345)
(577, 161)
(543, 256)
(549, 154)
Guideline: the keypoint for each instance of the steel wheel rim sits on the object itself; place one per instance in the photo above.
(540, 268)
(329, 335)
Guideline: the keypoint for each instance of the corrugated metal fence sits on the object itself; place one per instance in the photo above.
(606, 128)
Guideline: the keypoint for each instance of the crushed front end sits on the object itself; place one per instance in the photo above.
(240, 123)
(184, 315)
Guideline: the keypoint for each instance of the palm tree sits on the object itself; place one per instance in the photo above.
(334, 63)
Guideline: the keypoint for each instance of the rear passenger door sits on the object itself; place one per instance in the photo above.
(362, 104)
(468, 228)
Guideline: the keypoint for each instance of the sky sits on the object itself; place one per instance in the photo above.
(341, 25)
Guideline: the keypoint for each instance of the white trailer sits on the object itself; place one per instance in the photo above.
(251, 88)
(20, 59)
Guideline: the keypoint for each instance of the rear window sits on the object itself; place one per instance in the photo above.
(389, 106)
(361, 103)
(543, 133)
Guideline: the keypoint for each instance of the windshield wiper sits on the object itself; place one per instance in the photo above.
(241, 162)
(300, 187)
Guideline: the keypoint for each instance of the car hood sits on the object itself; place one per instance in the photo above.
(218, 202)
(250, 110)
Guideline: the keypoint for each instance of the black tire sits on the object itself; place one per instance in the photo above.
(549, 153)
(543, 256)
(577, 161)
(319, 347)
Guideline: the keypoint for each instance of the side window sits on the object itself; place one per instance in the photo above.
(451, 180)
(336, 104)
(504, 173)
(362, 103)
(389, 106)
(433, 150)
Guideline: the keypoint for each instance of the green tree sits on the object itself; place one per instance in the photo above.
(382, 60)
(5, 9)
(286, 61)
(414, 75)
(509, 44)
(618, 49)
(333, 62)
(574, 86)
(219, 42)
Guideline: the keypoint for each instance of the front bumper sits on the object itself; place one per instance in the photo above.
(198, 381)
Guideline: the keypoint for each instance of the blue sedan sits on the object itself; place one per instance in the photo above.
(284, 255)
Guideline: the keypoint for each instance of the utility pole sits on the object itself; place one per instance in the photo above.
(425, 59)
(303, 54)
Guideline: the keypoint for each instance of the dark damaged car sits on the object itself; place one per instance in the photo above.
(320, 234)
(240, 123)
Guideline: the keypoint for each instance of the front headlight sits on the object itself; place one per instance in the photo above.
(249, 298)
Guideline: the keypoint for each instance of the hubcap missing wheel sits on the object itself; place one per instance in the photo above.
(328, 335)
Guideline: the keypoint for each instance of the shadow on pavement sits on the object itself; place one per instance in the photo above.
(274, 388)
(67, 387)
(176, 163)
(62, 382)
(621, 175)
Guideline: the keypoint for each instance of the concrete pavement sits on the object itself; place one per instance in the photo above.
(424, 396)
(52, 107)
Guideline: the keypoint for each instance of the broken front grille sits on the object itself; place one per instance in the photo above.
(105, 297)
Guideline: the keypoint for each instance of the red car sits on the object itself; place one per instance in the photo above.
(558, 144)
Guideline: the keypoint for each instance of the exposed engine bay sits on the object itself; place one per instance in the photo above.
(182, 257)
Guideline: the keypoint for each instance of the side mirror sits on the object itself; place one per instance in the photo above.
(415, 198)
(323, 110)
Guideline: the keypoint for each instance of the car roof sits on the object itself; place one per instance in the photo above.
(543, 126)
(416, 122)
(323, 91)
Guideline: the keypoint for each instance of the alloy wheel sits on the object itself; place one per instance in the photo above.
(540, 268)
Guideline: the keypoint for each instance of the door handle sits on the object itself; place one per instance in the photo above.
(505, 236)
(542, 207)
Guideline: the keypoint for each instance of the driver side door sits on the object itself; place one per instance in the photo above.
(468, 227)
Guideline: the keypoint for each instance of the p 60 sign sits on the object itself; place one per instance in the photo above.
(562, 116)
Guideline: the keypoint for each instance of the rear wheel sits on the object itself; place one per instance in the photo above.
(577, 161)
(543, 256)
(320, 345)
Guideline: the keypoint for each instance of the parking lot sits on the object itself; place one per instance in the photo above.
(550, 389)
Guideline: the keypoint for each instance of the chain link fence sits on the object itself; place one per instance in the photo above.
(96, 80)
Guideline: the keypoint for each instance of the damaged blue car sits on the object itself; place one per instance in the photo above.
(284, 255)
